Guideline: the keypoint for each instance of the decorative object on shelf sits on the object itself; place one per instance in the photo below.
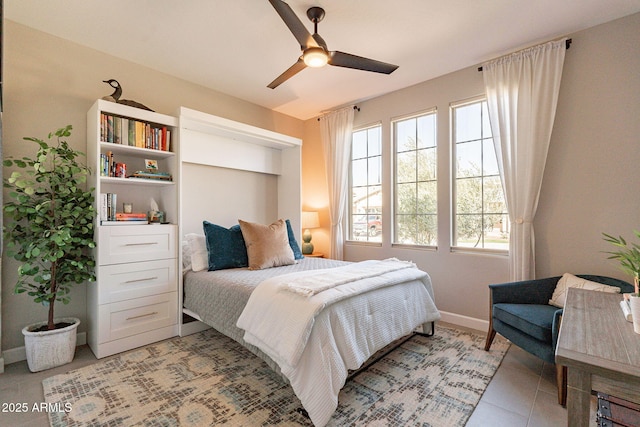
(151, 165)
(629, 257)
(155, 215)
(117, 93)
(127, 207)
(52, 244)
(309, 220)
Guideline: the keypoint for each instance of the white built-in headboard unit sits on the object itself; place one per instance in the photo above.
(232, 170)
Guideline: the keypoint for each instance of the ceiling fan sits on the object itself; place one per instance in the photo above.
(314, 49)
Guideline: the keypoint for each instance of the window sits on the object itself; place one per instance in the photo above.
(480, 214)
(365, 223)
(415, 210)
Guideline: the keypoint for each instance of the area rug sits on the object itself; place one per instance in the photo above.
(207, 379)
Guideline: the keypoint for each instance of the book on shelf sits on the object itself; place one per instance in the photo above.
(124, 223)
(131, 216)
(163, 176)
(109, 167)
(107, 208)
(134, 133)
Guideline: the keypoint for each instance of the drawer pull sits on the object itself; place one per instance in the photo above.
(153, 313)
(141, 280)
(141, 244)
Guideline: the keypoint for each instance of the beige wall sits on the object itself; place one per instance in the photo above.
(49, 83)
(591, 183)
(592, 179)
(314, 185)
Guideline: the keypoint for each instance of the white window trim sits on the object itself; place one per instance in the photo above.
(394, 200)
(452, 167)
(349, 214)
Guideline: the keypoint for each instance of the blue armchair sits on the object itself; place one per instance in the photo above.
(520, 312)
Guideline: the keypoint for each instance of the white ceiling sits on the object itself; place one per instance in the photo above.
(239, 46)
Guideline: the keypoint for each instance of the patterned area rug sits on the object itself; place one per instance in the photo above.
(208, 379)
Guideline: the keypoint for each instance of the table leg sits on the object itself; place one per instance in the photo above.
(578, 397)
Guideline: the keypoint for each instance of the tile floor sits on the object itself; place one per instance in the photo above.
(522, 393)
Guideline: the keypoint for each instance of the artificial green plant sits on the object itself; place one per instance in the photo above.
(628, 255)
(49, 226)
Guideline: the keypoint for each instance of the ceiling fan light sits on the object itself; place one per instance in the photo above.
(315, 57)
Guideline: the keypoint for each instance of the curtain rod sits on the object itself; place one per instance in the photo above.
(567, 44)
(355, 107)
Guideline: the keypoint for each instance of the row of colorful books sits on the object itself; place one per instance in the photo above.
(135, 133)
(109, 167)
(109, 214)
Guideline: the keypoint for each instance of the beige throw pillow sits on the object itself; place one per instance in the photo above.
(570, 281)
(267, 245)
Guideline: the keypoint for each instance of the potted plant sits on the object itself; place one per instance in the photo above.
(629, 257)
(49, 231)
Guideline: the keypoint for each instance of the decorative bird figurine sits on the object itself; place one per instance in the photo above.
(117, 93)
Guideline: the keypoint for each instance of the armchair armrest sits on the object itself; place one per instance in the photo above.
(555, 328)
(537, 291)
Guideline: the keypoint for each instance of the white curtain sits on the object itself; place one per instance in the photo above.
(336, 128)
(522, 94)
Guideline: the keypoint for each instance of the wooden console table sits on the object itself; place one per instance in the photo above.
(599, 349)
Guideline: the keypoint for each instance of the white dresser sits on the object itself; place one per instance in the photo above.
(134, 301)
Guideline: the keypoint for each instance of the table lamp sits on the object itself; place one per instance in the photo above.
(309, 220)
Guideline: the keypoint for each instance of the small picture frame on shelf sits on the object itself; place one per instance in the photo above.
(151, 165)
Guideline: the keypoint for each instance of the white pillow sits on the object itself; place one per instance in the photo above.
(198, 249)
(570, 281)
(186, 256)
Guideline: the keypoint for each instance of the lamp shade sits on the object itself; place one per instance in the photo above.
(310, 220)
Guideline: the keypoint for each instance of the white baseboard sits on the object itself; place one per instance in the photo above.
(19, 354)
(465, 321)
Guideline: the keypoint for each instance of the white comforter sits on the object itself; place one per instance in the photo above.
(315, 340)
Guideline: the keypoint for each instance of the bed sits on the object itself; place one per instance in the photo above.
(344, 334)
(231, 170)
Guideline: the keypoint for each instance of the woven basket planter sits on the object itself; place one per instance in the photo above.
(48, 349)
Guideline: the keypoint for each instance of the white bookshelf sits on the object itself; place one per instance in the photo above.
(134, 300)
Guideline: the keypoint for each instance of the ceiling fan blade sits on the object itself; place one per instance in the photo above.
(294, 24)
(292, 71)
(348, 60)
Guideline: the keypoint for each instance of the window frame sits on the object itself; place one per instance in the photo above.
(394, 177)
(350, 214)
(454, 180)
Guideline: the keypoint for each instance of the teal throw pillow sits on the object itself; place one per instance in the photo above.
(225, 247)
(297, 253)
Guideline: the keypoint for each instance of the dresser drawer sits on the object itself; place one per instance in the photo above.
(119, 282)
(135, 243)
(132, 317)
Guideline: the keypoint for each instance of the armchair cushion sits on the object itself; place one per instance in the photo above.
(570, 281)
(535, 320)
